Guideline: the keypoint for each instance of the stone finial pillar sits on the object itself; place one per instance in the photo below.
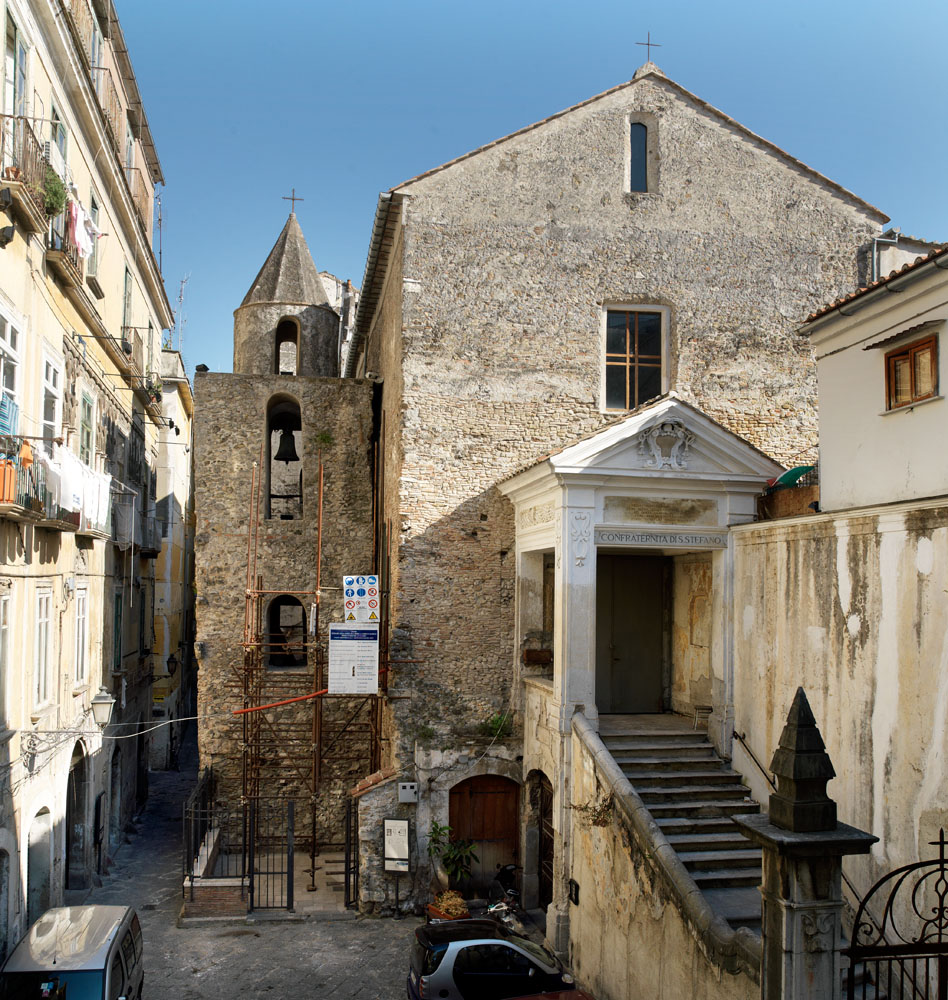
(803, 847)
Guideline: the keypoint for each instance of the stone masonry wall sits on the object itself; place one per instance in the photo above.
(509, 258)
(255, 327)
(230, 427)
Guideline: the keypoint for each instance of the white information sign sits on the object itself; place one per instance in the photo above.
(361, 598)
(353, 658)
(396, 845)
(663, 538)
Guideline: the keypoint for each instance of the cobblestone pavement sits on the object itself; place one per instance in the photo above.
(362, 958)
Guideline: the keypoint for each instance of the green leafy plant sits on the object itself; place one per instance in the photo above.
(55, 192)
(456, 856)
(499, 724)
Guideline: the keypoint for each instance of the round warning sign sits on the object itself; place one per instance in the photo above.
(350, 604)
(373, 591)
(373, 604)
(348, 581)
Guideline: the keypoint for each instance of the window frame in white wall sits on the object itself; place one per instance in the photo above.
(52, 392)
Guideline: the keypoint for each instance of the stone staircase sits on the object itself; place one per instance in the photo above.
(692, 793)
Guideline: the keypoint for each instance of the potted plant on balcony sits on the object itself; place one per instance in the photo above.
(55, 193)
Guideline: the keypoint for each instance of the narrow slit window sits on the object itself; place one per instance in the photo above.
(638, 160)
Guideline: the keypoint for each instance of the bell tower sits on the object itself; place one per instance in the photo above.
(285, 324)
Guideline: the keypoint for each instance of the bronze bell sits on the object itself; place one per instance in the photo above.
(287, 450)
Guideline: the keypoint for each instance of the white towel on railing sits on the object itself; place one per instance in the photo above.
(70, 479)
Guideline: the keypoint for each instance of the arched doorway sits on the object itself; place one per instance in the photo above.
(115, 798)
(485, 809)
(39, 865)
(538, 842)
(77, 790)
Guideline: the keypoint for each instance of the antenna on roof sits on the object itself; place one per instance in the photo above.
(180, 319)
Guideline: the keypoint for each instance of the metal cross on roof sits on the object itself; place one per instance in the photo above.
(292, 198)
(649, 45)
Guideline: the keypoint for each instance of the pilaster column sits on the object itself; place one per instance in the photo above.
(803, 847)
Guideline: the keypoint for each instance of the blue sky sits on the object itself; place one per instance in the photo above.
(343, 100)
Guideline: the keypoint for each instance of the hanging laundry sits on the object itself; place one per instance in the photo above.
(26, 454)
(9, 415)
(70, 480)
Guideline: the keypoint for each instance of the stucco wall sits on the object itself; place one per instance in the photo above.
(627, 938)
(852, 607)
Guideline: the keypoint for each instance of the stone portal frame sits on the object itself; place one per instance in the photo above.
(668, 480)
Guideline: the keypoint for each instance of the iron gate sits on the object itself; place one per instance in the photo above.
(251, 844)
(903, 956)
(351, 867)
(270, 854)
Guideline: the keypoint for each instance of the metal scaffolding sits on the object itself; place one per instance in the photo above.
(291, 738)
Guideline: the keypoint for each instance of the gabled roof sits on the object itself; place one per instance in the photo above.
(937, 258)
(288, 274)
(650, 71)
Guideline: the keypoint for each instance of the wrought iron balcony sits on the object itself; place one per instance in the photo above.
(23, 173)
(62, 254)
(82, 25)
(111, 106)
(142, 196)
(26, 491)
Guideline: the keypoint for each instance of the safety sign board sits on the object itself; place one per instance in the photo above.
(353, 658)
(361, 597)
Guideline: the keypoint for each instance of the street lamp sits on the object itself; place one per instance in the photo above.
(102, 707)
(172, 665)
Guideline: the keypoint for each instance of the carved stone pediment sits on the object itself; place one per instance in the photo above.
(665, 444)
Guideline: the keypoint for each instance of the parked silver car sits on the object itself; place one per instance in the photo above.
(77, 953)
(479, 960)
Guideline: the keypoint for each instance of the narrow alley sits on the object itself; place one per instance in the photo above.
(354, 957)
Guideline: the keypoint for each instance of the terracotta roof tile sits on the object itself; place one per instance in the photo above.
(378, 778)
(939, 251)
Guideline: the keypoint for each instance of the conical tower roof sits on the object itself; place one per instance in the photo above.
(288, 274)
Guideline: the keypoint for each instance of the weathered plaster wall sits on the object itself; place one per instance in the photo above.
(230, 426)
(691, 632)
(627, 938)
(507, 260)
(852, 607)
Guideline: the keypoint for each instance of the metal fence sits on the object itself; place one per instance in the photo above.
(252, 842)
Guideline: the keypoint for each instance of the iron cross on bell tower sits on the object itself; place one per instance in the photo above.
(291, 197)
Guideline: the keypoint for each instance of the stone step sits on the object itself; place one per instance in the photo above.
(726, 878)
(702, 807)
(685, 793)
(654, 738)
(732, 840)
(672, 779)
(740, 906)
(699, 825)
(702, 861)
(677, 761)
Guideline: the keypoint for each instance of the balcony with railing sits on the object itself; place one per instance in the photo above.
(82, 25)
(23, 173)
(62, 253)
(111, 106)
(31, 486)
(142, 196)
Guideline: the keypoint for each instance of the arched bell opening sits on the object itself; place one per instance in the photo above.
(286, 358)
(284, 461)
(285, 646)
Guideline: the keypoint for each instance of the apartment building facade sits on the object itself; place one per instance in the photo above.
(83, 435)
